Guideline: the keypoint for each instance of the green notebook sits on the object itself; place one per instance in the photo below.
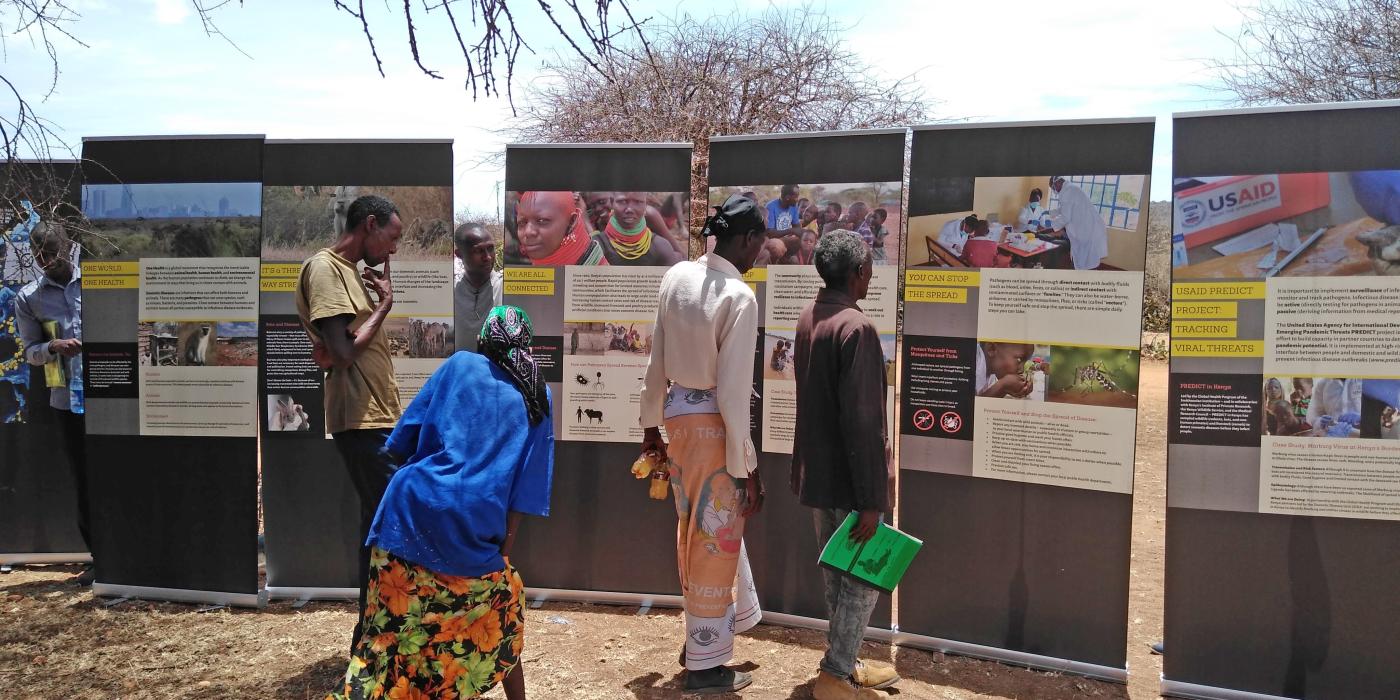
(881, 561)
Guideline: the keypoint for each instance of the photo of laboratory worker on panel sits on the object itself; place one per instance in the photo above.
(559, 228)
(1332, 407)
(1072, 222)
(1286, 225)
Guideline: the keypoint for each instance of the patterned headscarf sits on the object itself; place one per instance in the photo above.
(505, 340)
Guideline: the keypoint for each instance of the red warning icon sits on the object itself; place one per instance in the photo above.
(923, 419)
(950, 422)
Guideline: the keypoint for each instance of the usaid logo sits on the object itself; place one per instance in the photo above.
(1193, 212)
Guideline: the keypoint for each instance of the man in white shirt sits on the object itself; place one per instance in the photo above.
(1079, 222)
(954, 234)
(478, 289)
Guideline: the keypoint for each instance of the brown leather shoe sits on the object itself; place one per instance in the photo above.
(873, 674)
(829, 687)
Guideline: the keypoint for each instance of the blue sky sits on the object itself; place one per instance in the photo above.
(149, 69)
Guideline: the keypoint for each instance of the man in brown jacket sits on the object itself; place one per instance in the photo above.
(839, 458)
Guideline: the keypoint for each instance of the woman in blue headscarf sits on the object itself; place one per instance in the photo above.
(444, 611)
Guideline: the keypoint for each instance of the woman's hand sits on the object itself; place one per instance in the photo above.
(753, 495)
(652, 442)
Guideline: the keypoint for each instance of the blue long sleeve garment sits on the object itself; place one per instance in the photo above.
(473, 457)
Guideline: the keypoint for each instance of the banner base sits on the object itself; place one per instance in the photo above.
(1015, 658)
(311, 593)
(181, 595)
(22, 558)
(1180, 689)
(561, 595)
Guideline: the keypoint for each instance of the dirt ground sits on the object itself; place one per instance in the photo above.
(58, 641)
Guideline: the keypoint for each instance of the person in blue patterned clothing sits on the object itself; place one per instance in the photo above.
(48, 312)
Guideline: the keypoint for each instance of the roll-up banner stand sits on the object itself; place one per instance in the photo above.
(170, 349)
(593, 326)
(310, 507)
(38, 503)
(845, 180)
(1283, 493)
(1020, 362)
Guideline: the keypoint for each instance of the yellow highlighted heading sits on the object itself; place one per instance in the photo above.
(1205, 309)
(539, 289)
(1217, 348)
(99, 268)
(936, 295)
(1217, 290)
(529, 274)
(942, 278)
(278, 284)
(111, 274)
(116, 282)
(1204, 329)
(756, 274)
(281, 269)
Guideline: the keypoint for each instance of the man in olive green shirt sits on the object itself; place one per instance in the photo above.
(348, 340)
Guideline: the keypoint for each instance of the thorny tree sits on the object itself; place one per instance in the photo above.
(1291, 51)
(487, 33)
(687, 79)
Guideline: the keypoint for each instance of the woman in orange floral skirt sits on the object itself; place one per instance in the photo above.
(444, 615)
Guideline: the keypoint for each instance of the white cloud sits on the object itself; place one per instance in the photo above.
(171, 11)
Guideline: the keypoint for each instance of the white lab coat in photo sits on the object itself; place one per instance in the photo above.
(1088, 235)
(952, 237)
(1029, 219)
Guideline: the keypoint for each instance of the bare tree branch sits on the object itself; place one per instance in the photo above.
(206, 9)
(364, 25)
(413, 41)
(1289, 51)
(489, 38)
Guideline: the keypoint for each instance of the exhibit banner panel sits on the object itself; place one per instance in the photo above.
(38, 503)
(1283, 432)
(310, 507)
(589, 232)
(171, 344)
(807, 185)
(1019, 382)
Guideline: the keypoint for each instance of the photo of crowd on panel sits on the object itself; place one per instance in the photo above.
(597, 228)
(298, 221)
(1072, 222)
(1022, 323)
(1287, 224)
(600, 255)
(797, 216)
(190, 251)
